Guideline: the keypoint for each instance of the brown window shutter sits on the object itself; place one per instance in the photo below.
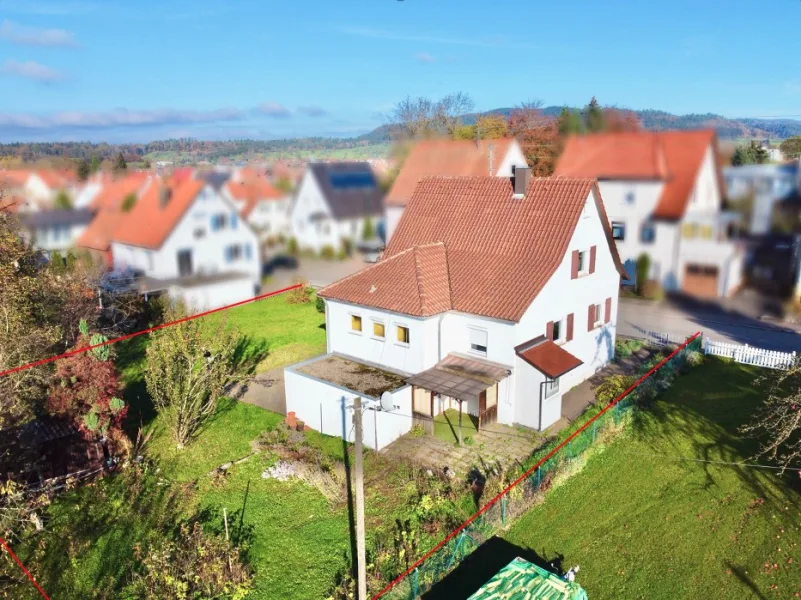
(574, 266)
(590, 317)
(569, 327)
(608, 311)
(549, 330)
(593, 252)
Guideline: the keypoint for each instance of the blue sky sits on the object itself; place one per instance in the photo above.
(136, 71)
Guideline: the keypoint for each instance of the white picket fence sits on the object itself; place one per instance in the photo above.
(656, 338)
(749, 355)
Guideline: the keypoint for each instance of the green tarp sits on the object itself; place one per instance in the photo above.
(522, 580)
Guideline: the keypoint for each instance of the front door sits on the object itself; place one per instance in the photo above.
(184, 263)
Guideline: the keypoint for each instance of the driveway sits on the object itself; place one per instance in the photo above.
(316, 271)
(721, 322)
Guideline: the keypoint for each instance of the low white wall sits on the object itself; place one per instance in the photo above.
(214, 295)
(324, 406)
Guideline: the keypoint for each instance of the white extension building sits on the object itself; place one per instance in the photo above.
(496, 158)
(184, 234)
(494, 296)
(333, 203)
(664, 193)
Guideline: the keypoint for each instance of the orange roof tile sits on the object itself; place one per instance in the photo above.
(14, 177)
(445, 157)
(674, 157)
(497, 252)
(252, 192)
(548, 357)
(101, 230)
(113, 193)
(149, 224)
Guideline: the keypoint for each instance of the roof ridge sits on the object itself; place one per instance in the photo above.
(417, 276)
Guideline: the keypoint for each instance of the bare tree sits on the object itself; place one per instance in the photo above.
(450, 110)
(421, 117)
(778, 421)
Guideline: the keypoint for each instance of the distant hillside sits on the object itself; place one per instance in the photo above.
(656, 120)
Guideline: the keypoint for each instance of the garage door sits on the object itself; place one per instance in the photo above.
(700, 281)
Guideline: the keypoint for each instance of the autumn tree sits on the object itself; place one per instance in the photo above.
(421, 117)
(83, 170)
(537, 135)
(619, 120)
(120, 166)
(791, 147)
(491, 127)
(569, 122)
(777, 422)
(188, 368)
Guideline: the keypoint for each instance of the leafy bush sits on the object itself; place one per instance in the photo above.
(643, 267)
(299, 295)
(327, 252)
(319, 304)
(625, 348)
(695, 358)
(652, 290)
(196, 565)
(612, 387)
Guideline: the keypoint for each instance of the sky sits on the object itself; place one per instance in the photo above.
(108, 70)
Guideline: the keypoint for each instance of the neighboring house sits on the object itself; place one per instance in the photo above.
(449, 157)
(42, 187)
(494, 296)
(767, 185)
(260, 203)
(333, 203)
(185, 231)
(56, 230)
(663, 192)
(111, 205)
(773, 262)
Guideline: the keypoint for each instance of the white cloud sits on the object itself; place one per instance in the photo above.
(424, 57)
(31, 36)
(117, 118)
(486, 42)
(274, 109)
(31, 70)
(312, 111)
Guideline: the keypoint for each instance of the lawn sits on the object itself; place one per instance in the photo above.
(446, 426)
(647, 518)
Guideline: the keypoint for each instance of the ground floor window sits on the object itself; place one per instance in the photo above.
(551, 387)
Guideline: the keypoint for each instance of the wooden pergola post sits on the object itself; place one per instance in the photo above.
(460, 422)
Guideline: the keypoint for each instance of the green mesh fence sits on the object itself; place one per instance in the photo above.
(526, 493)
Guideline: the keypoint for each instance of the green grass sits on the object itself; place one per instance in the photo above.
(644, 524)
(446, 426)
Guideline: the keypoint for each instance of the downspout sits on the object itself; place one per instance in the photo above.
(439, 337)
(539, 413)
(327, 337)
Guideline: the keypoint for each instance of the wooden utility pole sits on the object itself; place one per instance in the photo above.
(361, 554)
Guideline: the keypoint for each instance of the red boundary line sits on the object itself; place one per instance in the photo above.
(24, 570)
(151, 329)
(525, 475)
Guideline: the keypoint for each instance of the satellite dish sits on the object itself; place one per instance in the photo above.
(387, 402)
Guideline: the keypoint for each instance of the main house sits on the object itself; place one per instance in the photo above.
(496, 158)
(495, 296)
(664, 194)
(333, 203)
(188, 240)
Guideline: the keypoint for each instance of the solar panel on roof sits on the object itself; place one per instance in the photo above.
(351, 180)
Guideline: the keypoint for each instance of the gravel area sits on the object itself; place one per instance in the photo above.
(355, 376)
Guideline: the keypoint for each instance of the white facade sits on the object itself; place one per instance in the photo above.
(671, 245)
(520, 396)
(214, 294)
(59, 237)
(209, 249)
(270, 217)
(314, 226)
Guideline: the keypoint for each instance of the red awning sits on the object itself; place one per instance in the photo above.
(548, 357)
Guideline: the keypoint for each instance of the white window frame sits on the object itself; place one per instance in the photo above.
(550, 388)
(372, 333)
(562, 337)
(361, 322)
(583, 269)
(396, 341)
(599, 307)
(474, 348)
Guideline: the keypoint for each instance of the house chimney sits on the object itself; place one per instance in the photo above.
(520, 179)
(491, 159)
(164, 195)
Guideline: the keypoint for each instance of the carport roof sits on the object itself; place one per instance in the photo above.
(460, 377)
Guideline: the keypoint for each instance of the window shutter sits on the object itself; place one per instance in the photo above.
(569, 327)
(608, 310)
(574, 266)
(593, 251)
(549, 330)
(590, 317)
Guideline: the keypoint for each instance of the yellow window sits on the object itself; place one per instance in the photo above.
(689, 230)
(403, 334)
(378, 330)
(355, 323)
(706, 232)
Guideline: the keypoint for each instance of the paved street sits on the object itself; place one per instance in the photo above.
(721, 324)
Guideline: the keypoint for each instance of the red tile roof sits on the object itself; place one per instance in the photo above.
(547, 357)
(464, 243)
(674, 157)
(252, 191)
(113, 193)
(100, 231)
(149, 224)
(445, 157)
(14, 177)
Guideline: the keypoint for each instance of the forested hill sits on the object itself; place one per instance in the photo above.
(192, 150)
